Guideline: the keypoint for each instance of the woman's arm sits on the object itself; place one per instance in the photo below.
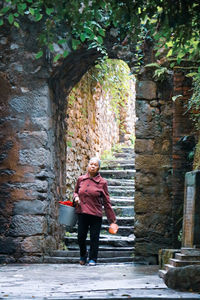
(107, 205)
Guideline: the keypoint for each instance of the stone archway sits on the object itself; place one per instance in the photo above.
(33, 154)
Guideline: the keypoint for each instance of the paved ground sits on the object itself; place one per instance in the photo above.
(70, 281)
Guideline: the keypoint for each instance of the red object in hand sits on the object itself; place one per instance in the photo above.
(113, 228)
(68, 203)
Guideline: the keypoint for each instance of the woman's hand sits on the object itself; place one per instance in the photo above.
(77, 200)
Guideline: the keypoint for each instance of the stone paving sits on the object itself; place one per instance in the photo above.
(72, 281)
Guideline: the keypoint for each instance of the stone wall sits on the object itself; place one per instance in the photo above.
(183, 144)
(28, 191)
(153, 205)
(93, 126)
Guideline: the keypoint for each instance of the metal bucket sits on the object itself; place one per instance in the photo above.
(67, 215)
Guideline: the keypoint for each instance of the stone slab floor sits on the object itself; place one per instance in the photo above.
(72, 281)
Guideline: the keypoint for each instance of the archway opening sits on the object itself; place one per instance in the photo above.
(101, 122)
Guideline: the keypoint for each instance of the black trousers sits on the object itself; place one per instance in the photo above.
(93, 224)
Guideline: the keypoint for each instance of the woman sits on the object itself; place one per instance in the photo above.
(91, 192)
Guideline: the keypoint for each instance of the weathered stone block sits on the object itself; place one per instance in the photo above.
(42, 123)
(7, 259)
(144, 203)
(33, 139)
(30, 259)
(153, 225)
(32, 105)
(9, 245)
(33, 244)
(183, 278)
(144, 146)
(147, 248)
(34, 207)
(151, 162)
(146, 90)
(28, 225)
(35, 157)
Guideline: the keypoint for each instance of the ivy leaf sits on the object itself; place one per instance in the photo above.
(75, 44)
(65, 53)
(32, 11)
(49, 11)
(169, 53)
(10, 18)
(56, 58)
(83, 37)
(29, 1)
(38, 17)
(4, 10)
(39, 54)
(21, 6)
(1, 22)
(62, 41)
(99, 39)
(102, 32)
(50, 46)
(16, 24)
(192, 74)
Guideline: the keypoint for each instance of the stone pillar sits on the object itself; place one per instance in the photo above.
(153, 149)
(191, 217)
(28, 174)
(183, 143)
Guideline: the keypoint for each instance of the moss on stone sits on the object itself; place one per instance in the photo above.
(196, 164)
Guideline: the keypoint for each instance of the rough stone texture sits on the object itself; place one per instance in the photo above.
(93, 126)
(27, 152)
(165, 255)
(183, 143)
(153, 168)
(28, 225)
(183, 278)
(146, 90)
(33, 126)
(35, 207)
(33, 244)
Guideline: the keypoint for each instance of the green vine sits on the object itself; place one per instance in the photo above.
(114, 77)
(193, 105)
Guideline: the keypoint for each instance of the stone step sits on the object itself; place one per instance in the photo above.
(101, 254)
(181, 263)
(185, 257)
(123, 230)
(118, 191)
(162, 273)
(120, 174)
(118, 164)
(124, 211)
(190, 251)
(102, 248)
(123, 189)
(120, 182)
(121, 221)
(116, 241)
(168, 266)
(122, 202)
(72, 260)
(125, 155)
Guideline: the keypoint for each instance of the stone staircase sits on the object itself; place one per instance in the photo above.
(186, 257)
(119, 173)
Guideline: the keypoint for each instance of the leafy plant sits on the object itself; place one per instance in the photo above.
(193, 104)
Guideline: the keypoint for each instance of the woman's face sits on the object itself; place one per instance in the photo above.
(93, 167)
